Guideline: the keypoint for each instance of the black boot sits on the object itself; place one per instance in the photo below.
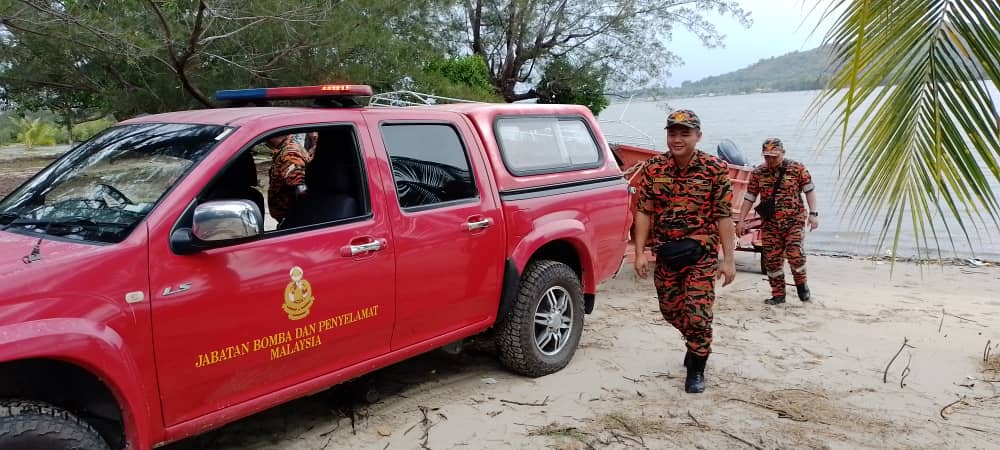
(695, 382)
(775, 300)
(804, 293)
(687, 358)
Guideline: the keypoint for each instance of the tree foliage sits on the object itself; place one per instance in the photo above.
(563, 82)
(516, 38)
(35, 132)
(460, 77)
(85, 59)
(144, 56)
(925, 150)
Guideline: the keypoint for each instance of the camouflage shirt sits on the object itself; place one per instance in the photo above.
(789, 209)
(685, 202)
(287, 172)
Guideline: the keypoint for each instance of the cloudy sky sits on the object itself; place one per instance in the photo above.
(779, 27)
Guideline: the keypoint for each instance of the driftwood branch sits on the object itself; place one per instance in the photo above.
(906, 371)
(781, 413)
(751, 444)
(943, 410)
(542, 403)
(885, 374)
(961, 318)
(698, 424)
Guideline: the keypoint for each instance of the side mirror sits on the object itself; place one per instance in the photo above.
(219, 223)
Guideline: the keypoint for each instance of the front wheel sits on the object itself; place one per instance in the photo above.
(539, 334)
(31, 425)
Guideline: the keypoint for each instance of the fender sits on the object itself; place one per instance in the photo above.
(97, 349)
(570, 230)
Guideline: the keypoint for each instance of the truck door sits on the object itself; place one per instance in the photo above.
(446, 225)
(238, 322)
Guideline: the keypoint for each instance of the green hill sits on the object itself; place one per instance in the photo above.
(794, 71)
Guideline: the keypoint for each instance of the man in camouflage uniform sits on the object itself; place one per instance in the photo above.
(685, 193)
(783, 233)
(287, 175)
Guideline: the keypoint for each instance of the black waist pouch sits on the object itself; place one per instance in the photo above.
(679, 254)
(765, 209)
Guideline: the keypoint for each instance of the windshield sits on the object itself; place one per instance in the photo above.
(103, 188)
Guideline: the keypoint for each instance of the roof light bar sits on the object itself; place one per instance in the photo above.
(296, 92)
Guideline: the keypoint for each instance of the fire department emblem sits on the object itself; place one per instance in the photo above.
(298, 295)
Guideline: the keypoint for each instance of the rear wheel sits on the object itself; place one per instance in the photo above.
(31, 425)
(540, 333)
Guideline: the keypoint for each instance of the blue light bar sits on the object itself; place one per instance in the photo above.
(242, 94)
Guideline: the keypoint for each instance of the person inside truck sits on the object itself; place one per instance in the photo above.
(287, 175)
(331, 185)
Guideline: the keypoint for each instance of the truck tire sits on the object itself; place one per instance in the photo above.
(539, 334)
(31, 425)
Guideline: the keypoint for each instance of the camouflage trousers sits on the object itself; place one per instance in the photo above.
(686, 299)
(781, 243)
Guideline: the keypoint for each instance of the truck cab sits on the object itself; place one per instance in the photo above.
(149, 292)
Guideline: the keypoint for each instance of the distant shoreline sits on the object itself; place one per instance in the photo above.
(637, 99)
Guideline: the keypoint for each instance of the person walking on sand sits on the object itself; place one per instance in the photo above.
(782, 183)
(685, 198)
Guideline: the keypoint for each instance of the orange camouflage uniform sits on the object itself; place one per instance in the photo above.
(782, 236)
(287, 172)
(687, 202)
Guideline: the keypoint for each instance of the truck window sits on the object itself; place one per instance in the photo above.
(102, 189)
(534, 145)
(295, 185)
(429, 164)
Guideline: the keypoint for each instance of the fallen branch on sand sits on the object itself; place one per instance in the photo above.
(986, 351)
(751, 444)
(962, 318)
(961, 400)
(706, 427)
(885, 375)
(801, 390)
(426, 424)
(906, 371)
(542, 403)
(781, 413)
(696, 422)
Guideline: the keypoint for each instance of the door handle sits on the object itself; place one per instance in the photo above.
(479, 225)
(359, 249)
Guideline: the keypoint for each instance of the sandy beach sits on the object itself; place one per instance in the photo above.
(814, 376)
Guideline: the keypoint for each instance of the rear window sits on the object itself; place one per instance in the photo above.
(534, 145)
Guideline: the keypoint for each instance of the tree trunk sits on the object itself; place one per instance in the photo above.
(69, 127)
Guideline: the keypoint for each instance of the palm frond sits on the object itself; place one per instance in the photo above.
(910, 103)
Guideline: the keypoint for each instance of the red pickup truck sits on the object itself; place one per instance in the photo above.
(146, 295)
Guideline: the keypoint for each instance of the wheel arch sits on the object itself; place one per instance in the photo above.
(67, 386)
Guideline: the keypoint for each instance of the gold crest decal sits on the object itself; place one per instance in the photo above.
(298, 295)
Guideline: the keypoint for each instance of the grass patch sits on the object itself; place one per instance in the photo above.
(991, 365)
(556, 430)
(636, 426)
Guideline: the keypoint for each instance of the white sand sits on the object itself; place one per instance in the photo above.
(793, 376)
